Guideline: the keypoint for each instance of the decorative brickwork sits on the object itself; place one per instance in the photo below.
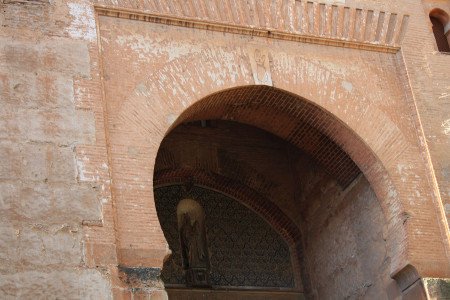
(244, 250)
(297, 20)
(304, 124)
(195, 71)
(272, 214)
(232, 187)
(90, 88)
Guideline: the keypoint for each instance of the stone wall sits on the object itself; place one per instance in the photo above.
(71, 122)
(44, 49)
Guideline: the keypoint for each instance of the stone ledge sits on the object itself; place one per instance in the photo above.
(140, 258)
(40, 2)
(330, 25)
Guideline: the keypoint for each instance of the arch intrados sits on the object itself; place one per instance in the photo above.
(185, 114)
(366, 160)
(441, 15)
(303, 118)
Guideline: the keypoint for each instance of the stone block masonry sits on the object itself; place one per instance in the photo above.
(90, 88)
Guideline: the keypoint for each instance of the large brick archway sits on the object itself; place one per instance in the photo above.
(298, 121)
(336, 112)
(308, 92)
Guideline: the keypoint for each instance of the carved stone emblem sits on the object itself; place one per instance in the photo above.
(259, 60)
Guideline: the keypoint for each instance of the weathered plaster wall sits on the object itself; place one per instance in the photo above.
(427, 76)
(55, 177)
(382, 115)
(428, 72)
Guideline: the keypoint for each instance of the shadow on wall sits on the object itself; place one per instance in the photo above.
(441, 29)
(344, 230)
